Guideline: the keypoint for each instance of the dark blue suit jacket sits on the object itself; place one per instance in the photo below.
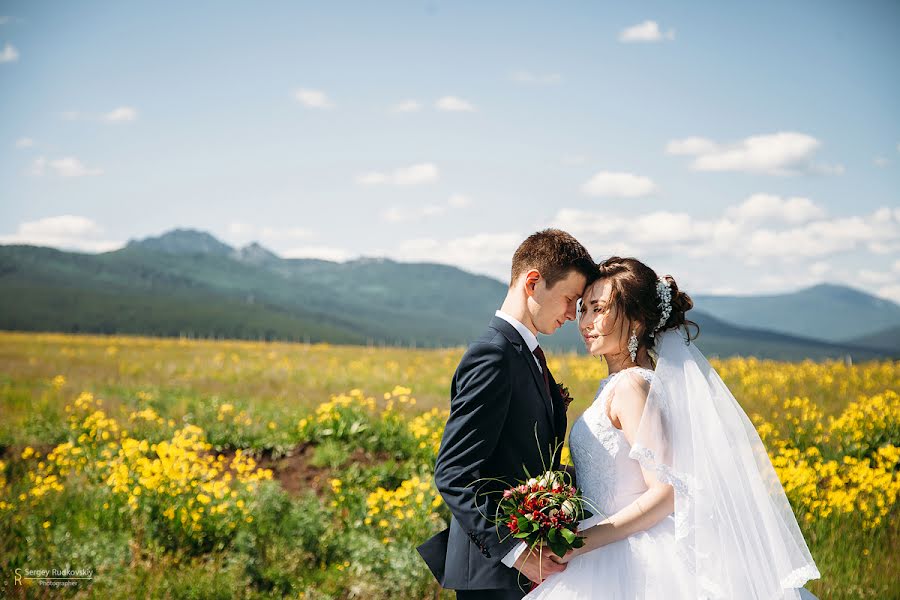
(501, 422)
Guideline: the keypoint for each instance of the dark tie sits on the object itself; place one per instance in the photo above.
(542, 360)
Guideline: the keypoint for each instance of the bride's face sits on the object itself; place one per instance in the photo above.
(601, 331)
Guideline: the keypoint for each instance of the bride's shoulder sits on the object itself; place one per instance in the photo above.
(631, 386)
(645, 374)
(637, 377)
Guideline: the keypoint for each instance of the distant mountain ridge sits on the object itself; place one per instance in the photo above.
(887, 340)
(187, 282)
(825, 311)
(184, 241)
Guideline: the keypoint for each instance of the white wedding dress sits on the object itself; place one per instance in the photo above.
(650, 565)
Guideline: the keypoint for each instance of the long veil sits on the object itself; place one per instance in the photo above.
(735, 530)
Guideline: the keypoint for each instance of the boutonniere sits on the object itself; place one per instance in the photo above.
(564, 392)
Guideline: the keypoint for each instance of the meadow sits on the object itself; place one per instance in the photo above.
(226, 469)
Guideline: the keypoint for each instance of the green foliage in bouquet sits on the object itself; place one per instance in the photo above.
(544, 510)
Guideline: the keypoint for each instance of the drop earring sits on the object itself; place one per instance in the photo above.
(633, 345)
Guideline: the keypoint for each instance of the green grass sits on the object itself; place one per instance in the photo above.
(300, 545)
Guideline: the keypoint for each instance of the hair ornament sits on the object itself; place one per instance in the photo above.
(664, 293)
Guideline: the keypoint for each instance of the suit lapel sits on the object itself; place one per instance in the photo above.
(513, 336)
(539, 381)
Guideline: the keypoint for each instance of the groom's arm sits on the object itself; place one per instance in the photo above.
(477, 414)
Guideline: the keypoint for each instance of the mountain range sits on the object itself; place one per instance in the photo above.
(188, 283)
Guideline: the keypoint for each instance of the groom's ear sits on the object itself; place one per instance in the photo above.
(531, 279)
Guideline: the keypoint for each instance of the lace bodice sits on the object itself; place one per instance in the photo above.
(605, 473)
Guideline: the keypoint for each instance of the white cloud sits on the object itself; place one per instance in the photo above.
(691, 146)
(765, 207)
(822, 238)
(618, 185)
(397, 214)
(529, 78)
(870, 277)
(454, 104)
(4, 20)
(880, 162)
(321, 252)
(891, 292)
(774, 153)
(24, 142)
(739, 239)
(485, 253)
(313, 98)
(818, 269)
(783, 153)
(64, 167)
(70, 232)
(412, 175)
(122, 113)
(648, 31)
(407, 106)
(883, 248)
(62, 226)
(37, 167)
(72, 167)
(722, 255)
(714, 253)
(372, 178)
(459, 201)
(9, 53)
(653, 229)
(117, 115)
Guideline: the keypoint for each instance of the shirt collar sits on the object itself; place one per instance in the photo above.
(530, 339)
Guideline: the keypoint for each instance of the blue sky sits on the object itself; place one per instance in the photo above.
(744, 148)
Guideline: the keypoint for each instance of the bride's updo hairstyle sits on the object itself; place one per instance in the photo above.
(634, 294)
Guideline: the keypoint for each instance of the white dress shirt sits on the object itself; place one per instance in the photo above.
(531, 341)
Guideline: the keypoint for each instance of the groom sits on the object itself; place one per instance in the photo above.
(505, 413)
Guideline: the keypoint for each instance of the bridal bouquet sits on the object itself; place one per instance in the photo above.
(544, 510)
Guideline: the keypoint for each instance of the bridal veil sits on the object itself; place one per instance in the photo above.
(735, 529)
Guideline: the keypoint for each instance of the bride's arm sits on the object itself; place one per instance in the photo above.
(651, 507)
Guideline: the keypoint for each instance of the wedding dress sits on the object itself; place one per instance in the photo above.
(732, 536)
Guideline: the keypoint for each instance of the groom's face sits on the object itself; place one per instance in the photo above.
(551, 307)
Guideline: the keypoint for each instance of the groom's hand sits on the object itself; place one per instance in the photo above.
(565, 559)
(537, 565)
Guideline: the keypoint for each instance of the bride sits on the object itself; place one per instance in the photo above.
(688, 503)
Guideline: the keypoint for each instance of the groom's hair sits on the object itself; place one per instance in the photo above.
(554, 253)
